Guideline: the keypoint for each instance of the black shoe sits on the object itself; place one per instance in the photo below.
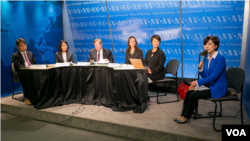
(180, 122)
(175, 119)
(148, 98)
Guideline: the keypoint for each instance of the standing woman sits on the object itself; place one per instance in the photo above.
(155, 60)
(133, 50)
(213, 74)
(64, 55)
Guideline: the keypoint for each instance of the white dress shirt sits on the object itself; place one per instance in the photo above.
(25, 62)
(64, 57)
(101, 54)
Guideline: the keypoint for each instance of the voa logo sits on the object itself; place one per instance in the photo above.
(225, 36)
(171, 51)
(192, 51)
(213, 19)
(230, 52)
(82, 49)
(188, 3)
(236, 132)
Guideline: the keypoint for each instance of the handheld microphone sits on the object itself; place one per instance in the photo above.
(204, 54)
(42, 56)
(118, 54)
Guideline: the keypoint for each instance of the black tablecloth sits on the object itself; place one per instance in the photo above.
(121, 90)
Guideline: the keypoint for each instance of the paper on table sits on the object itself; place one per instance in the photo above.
(83, 63)
(38, 66)
(127, 66)
(102, 61)
(114, 65)
(62, 64)
(201, 88)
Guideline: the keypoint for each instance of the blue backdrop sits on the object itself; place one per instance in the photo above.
(143, 19)
(39, 23)
(223, 19)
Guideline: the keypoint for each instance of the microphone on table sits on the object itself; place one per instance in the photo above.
(117, 54)
(204, 54)
(42, 56)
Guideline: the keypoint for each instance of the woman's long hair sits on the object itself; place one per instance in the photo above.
(129, 47)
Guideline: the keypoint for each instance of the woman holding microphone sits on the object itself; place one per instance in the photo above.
(213, 73)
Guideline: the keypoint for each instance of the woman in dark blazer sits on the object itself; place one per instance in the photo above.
(64, 55)
(155, 60)
(133, 50)
(213, 73)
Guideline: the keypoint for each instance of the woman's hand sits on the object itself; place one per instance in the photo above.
(149, 71)
(200, 66)
(192, 85)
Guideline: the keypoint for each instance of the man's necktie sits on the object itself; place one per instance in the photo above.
(26, 58)
(98, 56)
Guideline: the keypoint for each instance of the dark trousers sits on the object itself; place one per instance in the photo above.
(23, 83)
(191, 101)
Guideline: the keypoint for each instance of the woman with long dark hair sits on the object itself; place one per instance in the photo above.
(133, 50)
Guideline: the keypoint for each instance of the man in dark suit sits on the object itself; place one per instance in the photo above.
(23, 59)
(99, 53)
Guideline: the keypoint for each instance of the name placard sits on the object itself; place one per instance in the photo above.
(38, 66)
(83, 63)
(62, 64)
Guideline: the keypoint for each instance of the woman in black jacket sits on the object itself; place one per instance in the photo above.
(64, 55)
(133, 50)
(155, 60)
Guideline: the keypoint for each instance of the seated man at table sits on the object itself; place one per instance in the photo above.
(23, 59)
(99, 53)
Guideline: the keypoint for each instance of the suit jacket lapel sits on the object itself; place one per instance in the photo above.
(104, 53)
(67, 56)
(60, 56)
(206, 67)
(211, 66)
(94, 54)
(29, 57)
(20, 56)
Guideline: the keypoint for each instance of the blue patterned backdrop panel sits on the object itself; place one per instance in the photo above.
(88, 21)
(39, 23)
(141, 19)
(223, 19)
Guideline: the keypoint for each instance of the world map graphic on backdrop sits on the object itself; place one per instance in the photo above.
(39, 23)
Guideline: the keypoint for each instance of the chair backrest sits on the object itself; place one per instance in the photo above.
(172, 67)
(15, 73)
(235, 78)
